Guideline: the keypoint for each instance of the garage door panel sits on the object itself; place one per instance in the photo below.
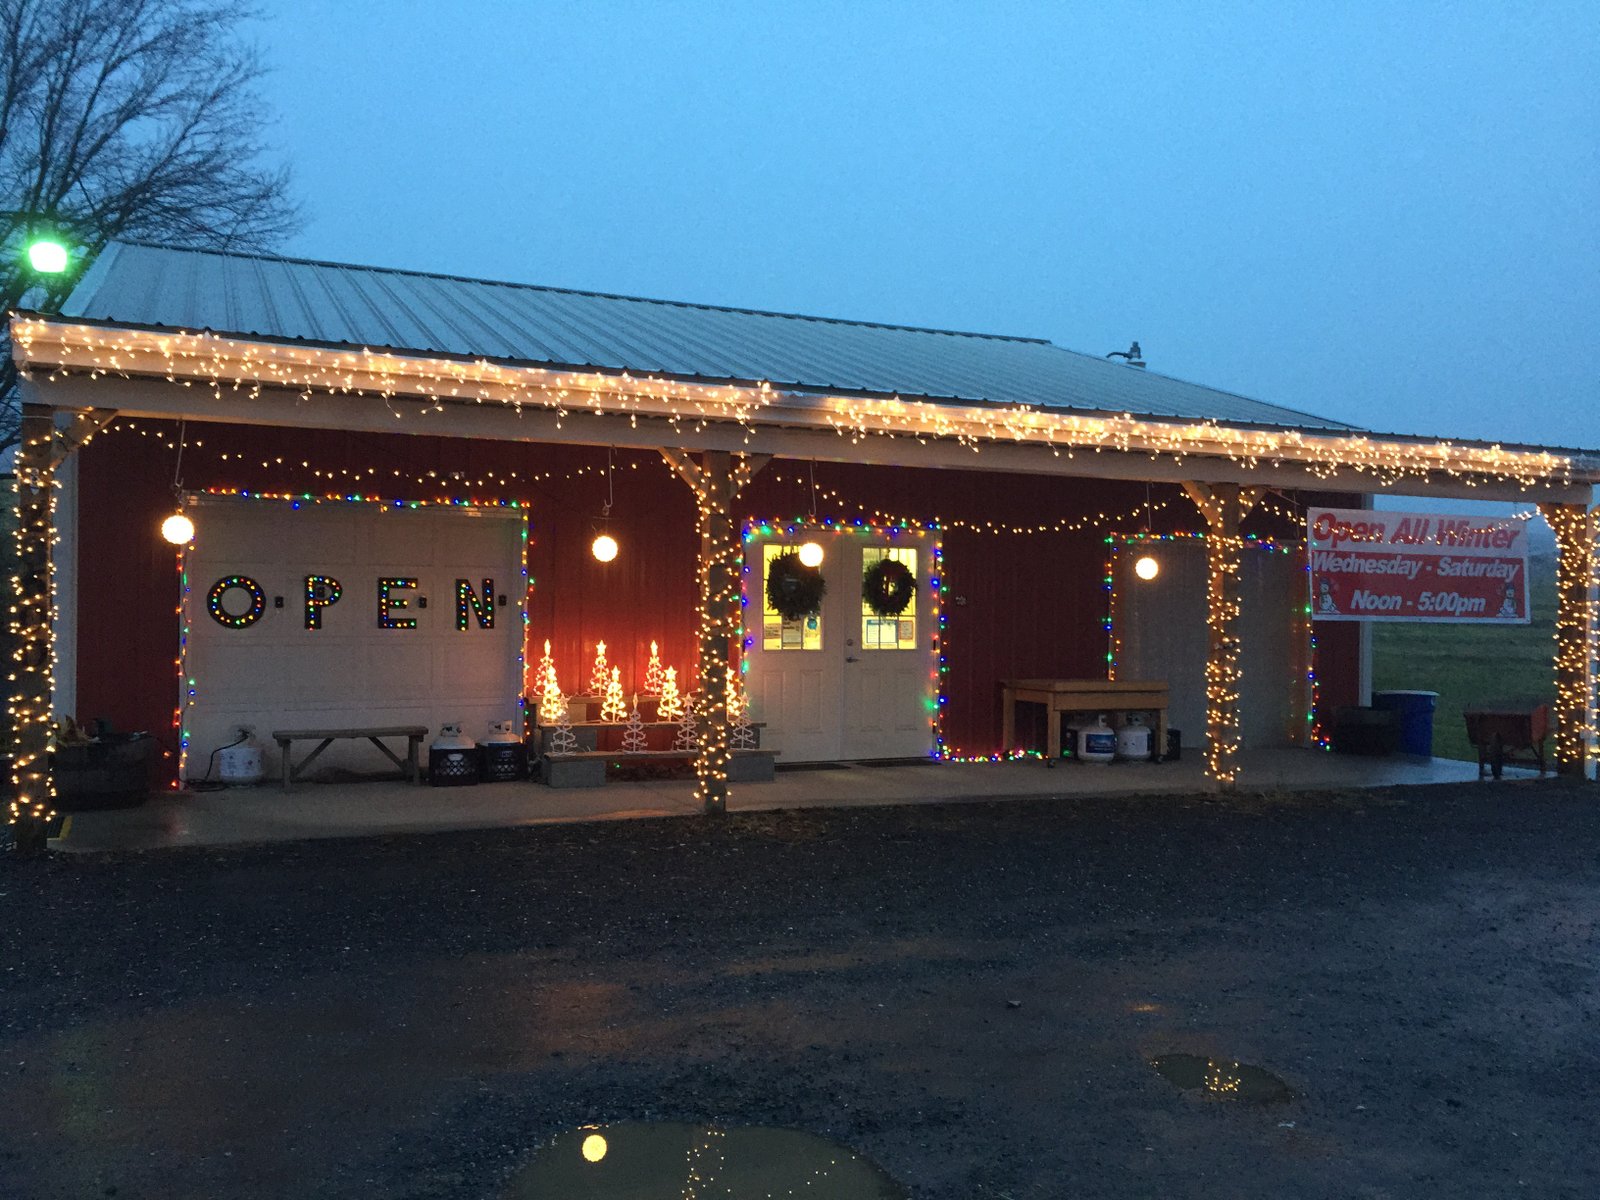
(470, 680)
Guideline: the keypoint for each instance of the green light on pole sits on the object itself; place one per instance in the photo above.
(47, 257)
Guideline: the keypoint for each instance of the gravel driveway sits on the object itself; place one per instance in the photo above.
(970, 995)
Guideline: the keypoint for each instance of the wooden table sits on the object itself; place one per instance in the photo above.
(412, 733)
(1083, 696)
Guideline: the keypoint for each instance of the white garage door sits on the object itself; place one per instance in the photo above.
(427, 626)
(1160, 629)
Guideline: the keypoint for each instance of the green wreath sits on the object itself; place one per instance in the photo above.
(888, 586)
(794, 590)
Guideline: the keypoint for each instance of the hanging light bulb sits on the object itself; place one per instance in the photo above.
(604, 547)
(811, 554)
(1146, 567)
(178, 529)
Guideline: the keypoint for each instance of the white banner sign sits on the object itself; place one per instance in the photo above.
(1368, 565)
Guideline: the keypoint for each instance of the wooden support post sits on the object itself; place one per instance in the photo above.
(33, 634)
(717, 480)
(1224, 506)
(43, 448)
(1576, 620)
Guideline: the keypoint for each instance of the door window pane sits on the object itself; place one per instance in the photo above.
(777, 633)
(890, 633)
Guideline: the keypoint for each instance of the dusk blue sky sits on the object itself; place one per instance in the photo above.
(1379, 213)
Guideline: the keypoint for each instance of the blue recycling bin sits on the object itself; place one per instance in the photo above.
(1416, 718)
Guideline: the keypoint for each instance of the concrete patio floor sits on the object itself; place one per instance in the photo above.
(264, 813)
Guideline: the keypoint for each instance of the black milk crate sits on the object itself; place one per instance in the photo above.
(504, 761)
(453, 768)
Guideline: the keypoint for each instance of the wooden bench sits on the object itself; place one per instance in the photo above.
(408, 768)
(587, 768)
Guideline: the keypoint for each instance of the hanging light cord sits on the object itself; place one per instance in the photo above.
(813, 519)
(177, 466)
(610, 489)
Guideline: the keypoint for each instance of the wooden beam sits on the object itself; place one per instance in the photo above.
(79, 433)
(1575, 528)
(747, 468)
(688, 470)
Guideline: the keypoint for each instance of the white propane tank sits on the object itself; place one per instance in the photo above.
(1133, 739)
(502, 732)
(1097, 743)
(240, 765)
(451, 738)
(453, 758)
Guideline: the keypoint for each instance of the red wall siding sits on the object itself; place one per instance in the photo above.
(1033, 605)
(1338, 665)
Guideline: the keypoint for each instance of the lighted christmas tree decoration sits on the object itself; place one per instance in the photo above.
(241, 620)
(389, 604)
(322, 591)
(600, 672)
(687, 736)
(545, 674)
(612, 706)
(1146, 568)
(468, 604)
(552, 706)
(562, 739)
(633, 739)
(670, 706)
(743, 734)
(653, 678)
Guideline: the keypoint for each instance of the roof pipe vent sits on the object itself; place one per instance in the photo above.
(1132, 354)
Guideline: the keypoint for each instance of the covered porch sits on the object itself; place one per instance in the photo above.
(243, 816)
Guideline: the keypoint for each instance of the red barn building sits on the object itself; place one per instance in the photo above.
(396, 479)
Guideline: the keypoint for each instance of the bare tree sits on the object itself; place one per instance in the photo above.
(133, 119)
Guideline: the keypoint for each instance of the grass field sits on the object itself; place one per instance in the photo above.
(1468, 665)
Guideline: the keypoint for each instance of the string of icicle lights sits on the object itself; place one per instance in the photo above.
(233, 366)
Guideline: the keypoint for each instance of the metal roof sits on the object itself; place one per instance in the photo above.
(341, 305)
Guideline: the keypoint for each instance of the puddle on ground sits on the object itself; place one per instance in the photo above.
(1222, 1079)
(666, 1160)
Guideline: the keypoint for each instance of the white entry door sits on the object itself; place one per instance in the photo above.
(844, 683)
